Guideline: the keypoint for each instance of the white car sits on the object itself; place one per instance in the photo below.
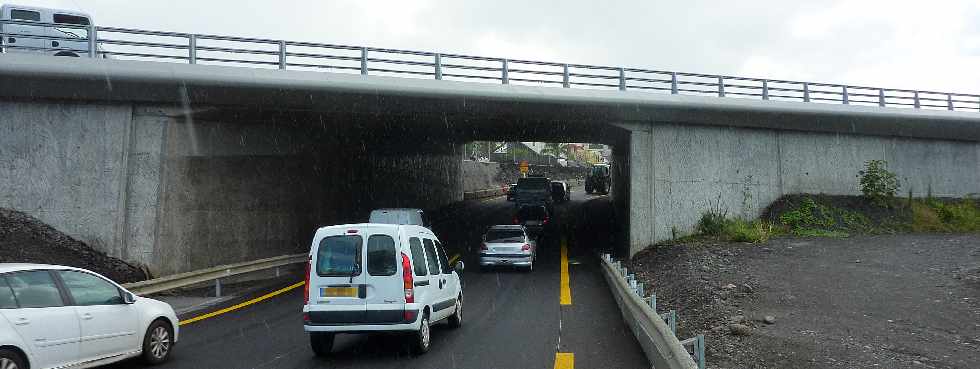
(56, 316)
(365, 278)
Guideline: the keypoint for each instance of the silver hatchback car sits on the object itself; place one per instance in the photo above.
(508, 245)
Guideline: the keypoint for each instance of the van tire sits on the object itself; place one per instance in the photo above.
(8, 356)
(456, 320)
(321, 343)
(422, 339)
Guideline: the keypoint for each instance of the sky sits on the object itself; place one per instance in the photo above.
(932, 45)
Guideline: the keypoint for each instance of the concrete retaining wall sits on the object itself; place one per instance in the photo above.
(155, 186)
(742, 170)
(480, 175)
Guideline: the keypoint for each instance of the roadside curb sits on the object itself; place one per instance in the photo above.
(656, 338)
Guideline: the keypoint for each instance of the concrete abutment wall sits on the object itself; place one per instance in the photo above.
(159, 187)
(681, 171)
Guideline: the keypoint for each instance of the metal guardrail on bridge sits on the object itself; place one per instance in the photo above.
(215, 274)
(125, 43)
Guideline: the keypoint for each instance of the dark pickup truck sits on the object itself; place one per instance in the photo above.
(533, 191)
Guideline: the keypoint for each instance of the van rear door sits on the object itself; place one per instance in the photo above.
(385, 289)
(337, 278)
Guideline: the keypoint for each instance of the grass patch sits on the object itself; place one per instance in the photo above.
(718, 226)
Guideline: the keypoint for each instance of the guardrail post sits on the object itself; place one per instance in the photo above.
(915, 99)
(192, 48)
(639, 289)
(765, 89)
(653, 301)
(217, 288)
(699, 350)
(881, 97)
(282, 54)
(806, 92)
(949, 101)
(93, 46)
(364, 58)
(673, 83)
(844, 96)
(622, 79)
(564, 77)
(438, 63)
(504, 78)
(721, 86)
(672, 321)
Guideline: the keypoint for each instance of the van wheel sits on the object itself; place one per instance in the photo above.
(157, 342)
(10, 359)
(422, 338)
(321, 343)
(456, 320)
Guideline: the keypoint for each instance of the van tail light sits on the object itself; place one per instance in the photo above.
(483, 247)
(545, 221)
(526, 247)
(306, 282)
(408, 280)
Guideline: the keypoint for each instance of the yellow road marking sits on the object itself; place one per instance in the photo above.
(564, 360)
(244, 304)
(566, 292)
(453, 259)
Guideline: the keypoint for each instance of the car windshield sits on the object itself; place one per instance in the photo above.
(504, 235)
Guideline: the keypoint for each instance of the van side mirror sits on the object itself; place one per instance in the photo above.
(459, 266)
(129, 298)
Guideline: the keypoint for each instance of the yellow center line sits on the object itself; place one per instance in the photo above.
(566, 292)
(244, 304)
(564, 360)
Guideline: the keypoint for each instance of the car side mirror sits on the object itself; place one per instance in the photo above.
(129, 298)
(459, 266)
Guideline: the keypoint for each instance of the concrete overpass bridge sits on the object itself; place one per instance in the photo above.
(183, 166)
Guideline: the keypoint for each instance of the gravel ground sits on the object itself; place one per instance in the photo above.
(896, 301)
(25, 239)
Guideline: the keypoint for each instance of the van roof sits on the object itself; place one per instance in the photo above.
(42, 9)
(345, 227)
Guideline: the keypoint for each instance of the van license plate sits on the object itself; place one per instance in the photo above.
(338, 292)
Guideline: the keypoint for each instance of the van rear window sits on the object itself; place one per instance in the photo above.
(533, 183)
(25, 15)
(339, 256)
(381, 255)
(70, 19)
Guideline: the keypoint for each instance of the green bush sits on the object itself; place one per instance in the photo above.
(962, 216)
(877, 183)
(808, 214)
(712, 223)
(715, 224)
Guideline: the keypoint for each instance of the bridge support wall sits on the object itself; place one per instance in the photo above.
(678, 172)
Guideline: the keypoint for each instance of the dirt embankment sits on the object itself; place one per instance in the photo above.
(25, 239)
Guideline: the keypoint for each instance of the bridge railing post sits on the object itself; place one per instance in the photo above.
(721, 86)
(765, 89)
(504, 78)
(93, 44)
(844, 95)
(192, 49)
(949, 101)
(364, 61)
(438, 64)
(622, 79)
(564, 77)
(673, 83)
(915, 100)
(282, 54)
(881, 97)
(806, 92)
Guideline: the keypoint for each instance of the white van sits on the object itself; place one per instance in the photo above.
(59, 41)
(364, 278)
